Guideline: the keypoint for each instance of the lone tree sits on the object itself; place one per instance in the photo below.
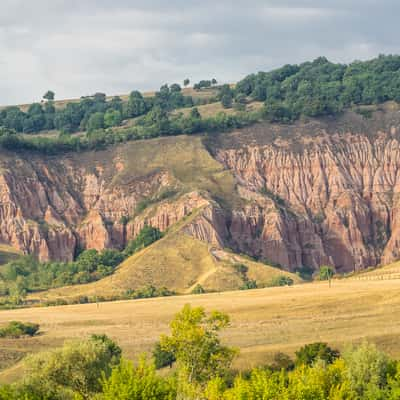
(195, 343)
(326, 273)
(49, 95)
(186, 82)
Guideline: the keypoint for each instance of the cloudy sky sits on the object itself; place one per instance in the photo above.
(78, 47)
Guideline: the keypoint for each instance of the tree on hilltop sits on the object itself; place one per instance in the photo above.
(49, 95)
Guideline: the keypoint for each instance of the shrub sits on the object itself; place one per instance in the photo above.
(16, 329)
(198, 289)
(305, 272)
(282, 361)
(241, 269)
(77, 367)
(281, 280)
(146, 237)
(162, 358)
(311, 352)
(367, 369)
(249, 284)
(136, 382)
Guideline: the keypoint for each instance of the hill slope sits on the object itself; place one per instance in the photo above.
(178, 262)
(315, 192)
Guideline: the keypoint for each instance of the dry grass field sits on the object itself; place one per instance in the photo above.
(264, 321)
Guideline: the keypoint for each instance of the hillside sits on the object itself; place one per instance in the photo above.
(321, 191)
(294, 168)
(178, 262)
(8, 253)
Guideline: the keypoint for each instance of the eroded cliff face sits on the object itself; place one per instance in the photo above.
(333, 200)
(322, 195)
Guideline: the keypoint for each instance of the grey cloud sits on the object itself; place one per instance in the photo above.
(79, 47)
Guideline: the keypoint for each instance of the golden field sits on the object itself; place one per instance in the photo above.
(264, 321)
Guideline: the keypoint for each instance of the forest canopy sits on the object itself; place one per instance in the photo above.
(311, 89)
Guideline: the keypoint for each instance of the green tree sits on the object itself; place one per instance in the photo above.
(186, 82)
(88, 260)
(136, 382)
(194, 113)
(175, 88)
(49, 95)
(18, 293)
(146, 237)
(112, 118)
(198, 289)
(75, 368)
(196, 345)
(367, 369)
(96, 121)
(162, 358)
(111, 257)
(16, 329)
(309, 353)
(226, 101)
(136, 105)
(326, 273)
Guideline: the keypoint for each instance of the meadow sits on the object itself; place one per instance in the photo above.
(264, 321)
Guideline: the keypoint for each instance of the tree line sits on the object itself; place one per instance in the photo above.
(311, 89)
(155, 123)
(91, 112)
(321, 87)
(202, 370)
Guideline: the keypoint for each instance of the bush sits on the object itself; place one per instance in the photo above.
(77, 368)
(198, 289)
(281, 280)
(241, 269)
(249, 284)
(367, 369)
(17, 329)
(162, 358)
(282, 361)
(146, 237)
(136, 382)
(315, 351)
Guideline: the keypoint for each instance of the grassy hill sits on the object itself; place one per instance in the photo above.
(7, 253)
(178, 262)
(387, 272)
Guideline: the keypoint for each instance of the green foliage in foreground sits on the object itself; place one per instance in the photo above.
(309, 353)
(162, 357)
(94, 369)
(16, 329)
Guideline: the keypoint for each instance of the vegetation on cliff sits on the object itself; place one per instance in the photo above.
(311, 89)
(27, 274)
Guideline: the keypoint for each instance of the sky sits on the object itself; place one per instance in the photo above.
(79, 47)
